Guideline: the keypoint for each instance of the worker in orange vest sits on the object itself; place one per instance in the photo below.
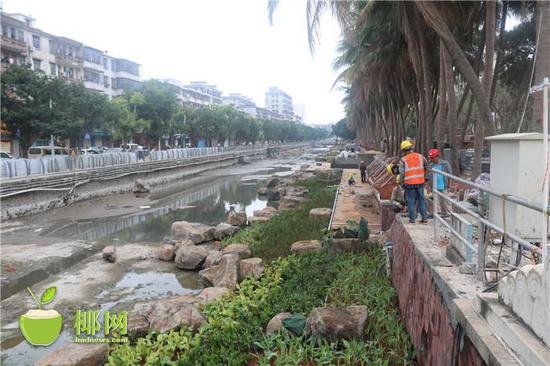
(413, 170)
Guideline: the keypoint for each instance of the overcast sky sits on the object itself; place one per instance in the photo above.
(225, 42)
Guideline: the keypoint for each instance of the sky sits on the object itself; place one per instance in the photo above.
(228, 43)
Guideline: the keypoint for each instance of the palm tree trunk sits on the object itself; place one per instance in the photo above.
(490, 28)
(436, 21)
(542, 65)
(442, 116)
(451, 105)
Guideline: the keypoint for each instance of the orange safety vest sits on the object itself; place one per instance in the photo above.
(414, 169)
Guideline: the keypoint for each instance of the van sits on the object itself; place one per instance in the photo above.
(129, 147)
(45, 151)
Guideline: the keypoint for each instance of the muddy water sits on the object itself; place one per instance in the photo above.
(126, 221)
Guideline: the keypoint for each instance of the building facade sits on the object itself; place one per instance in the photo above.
(211, 90)
(23, 43)
(276, 100)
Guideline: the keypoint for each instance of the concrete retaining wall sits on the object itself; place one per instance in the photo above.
(34, 202)
(425, 304)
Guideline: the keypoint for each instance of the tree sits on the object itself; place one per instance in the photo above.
(341, 130)
(26, 105)
(123, 121)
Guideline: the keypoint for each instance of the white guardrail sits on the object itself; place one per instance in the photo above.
(478, 246)
(12, 168)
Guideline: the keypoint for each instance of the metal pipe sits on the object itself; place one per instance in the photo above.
(333, 208)
(509, 197)
(524, 243)
(545, 176)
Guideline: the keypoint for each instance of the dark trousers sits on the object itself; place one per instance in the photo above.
(363, 176)
(413, 195)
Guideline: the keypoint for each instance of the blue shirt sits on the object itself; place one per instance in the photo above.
(440, 180)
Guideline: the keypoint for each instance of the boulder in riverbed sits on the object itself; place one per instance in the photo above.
(337, 323)
(213, 293)
(190, 257)
(262, 191)
(251, 266)
(212, 259)
(223, 274)
(237, 218)
(276, 323)
(273, 182)
(197, 233)
(109, 253)
(241, 250)
(141, 186)
(305, 246)
(77, 354)
(258, 219)
(223, 230)
(268, 212)
(182, 243)
(137, 326)
(166, 252)
(321, 214)
(170, 314)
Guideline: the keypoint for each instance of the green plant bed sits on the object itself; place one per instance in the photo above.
(273, 239)
(233, 333)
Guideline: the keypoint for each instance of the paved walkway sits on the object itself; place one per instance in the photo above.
(351, 202)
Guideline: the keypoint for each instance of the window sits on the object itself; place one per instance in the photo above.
(5, 30)
(106, 63)
(20, 36)
(53, 69)
(36, 41)
(36, 64)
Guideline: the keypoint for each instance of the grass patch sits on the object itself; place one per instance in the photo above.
(273, 239)
(233, 333)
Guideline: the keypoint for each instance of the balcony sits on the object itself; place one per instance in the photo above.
(13, 45)
(66, 60)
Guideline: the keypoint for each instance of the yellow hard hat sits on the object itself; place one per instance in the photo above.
(362, 161)
(406, 145)
(388, 169)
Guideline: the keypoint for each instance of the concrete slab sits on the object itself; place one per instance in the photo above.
(348, 207)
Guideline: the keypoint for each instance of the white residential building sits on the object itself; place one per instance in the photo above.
(23, 43)
(280, 102)
(188, 96)
(211, 90)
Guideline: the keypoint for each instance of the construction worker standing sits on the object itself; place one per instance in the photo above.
(442, 183)
(413, 170)
(363, 169)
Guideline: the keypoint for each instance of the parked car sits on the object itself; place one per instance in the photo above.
(90, 150)
(45, 151)
(5, 155)
(129, 147)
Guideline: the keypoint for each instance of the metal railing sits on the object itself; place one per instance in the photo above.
(482, 222)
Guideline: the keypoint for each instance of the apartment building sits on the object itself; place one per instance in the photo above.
(276, 100)
(23, 43)
(188, 96)
(210, 90)
(238, 101)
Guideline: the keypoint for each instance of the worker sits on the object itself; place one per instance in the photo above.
(413, 170)
(397, 198)
(441, 182)
(363, 170)
(351, 179)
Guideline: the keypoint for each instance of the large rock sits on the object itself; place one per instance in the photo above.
(337, 323)
(241, 250)
(273, 182)
(182, 243)
(262, 191)
(251, 266)
(190, 257)
(166, 252)
(305, 246)
(213, 293)
(275, 194)
(76, 354)
(258, 219)
(276, 323)
(141, 186)
(109, 253)
(321, 214)
(268, 212)
(223, 274)
(237, 218)
(212, 259)
(197, 233)
(170, 314)
(223, 230)
(137, 326)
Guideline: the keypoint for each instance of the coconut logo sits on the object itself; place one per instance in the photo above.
(41, 327)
